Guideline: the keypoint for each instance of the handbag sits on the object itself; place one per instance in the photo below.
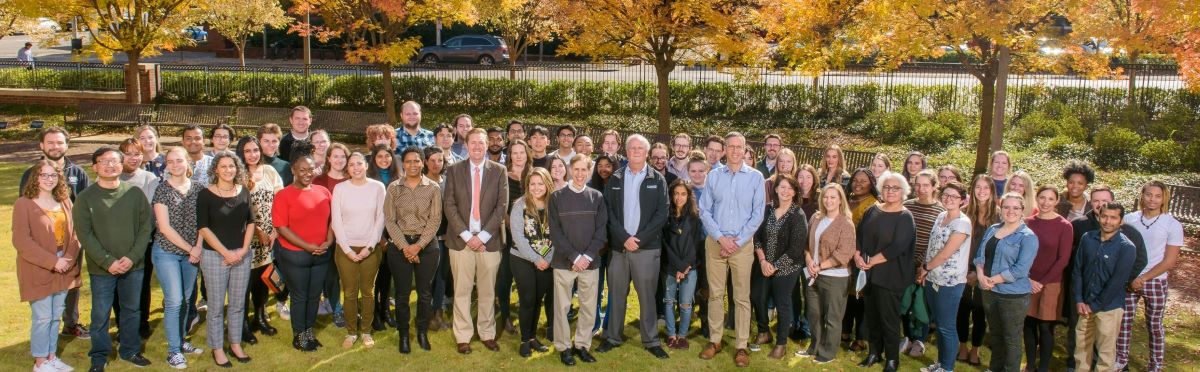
(272, 279)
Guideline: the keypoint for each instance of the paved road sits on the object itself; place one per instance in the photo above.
(609, 72)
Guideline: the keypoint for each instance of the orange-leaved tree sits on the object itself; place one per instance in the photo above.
(1136, 28)
(521, 23)
(136, 28)
(239, 19)
(664, 34)
(988, 37)
(814, 36)
(372, 31)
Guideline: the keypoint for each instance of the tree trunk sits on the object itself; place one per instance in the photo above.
(1130, 94)
(512, 67)
(389, 96)
(241, 48)
(987, 102)
(664, 98)
(133, 86)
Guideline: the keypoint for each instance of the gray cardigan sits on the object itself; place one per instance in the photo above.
(521, 247)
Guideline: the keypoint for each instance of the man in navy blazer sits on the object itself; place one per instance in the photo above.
(637, 211)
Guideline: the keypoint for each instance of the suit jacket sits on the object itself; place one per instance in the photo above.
(33, 237)
(493, 203)
(652, 197)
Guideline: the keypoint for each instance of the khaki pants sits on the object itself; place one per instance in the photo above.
(738, 265)
(358, 288)
(587, 282)
(1098, 331)
(473, 270)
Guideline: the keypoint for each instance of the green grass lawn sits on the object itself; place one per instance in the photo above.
(276, 354)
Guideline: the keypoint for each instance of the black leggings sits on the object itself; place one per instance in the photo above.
(778, 288)
(304, 274)
(882, 315)
(533, 292)
(383, 288)
(1039, 342)
(971, 322)
(408, 276)
(258, 294)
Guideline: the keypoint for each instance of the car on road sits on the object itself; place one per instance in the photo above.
(481, 49)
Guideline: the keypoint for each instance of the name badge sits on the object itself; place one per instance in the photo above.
(616, 188)
(651, 186)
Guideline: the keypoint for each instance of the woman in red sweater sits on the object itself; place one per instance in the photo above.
(1055, 235)
(301, 215)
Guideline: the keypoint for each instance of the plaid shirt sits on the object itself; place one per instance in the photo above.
(423, 139)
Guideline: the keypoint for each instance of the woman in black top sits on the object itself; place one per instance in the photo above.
(382, 166)
(435, 167)
(224, 221)
(888, 236)
(779, 246)
(518, 169)
(681, 254)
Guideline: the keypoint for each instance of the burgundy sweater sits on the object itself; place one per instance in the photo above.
(1054, 248)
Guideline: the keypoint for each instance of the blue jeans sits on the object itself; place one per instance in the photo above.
(43, 335)
(104, 288)
(177, 277)
(943, 306)
(681, 292)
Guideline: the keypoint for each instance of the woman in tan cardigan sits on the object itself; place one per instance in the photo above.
(827, 272)
(47, 264)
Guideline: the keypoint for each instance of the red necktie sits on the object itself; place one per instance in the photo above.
(475, 194)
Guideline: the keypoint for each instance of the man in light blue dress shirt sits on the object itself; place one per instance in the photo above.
(731, 209)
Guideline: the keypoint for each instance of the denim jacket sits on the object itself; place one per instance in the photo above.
(1014, 256)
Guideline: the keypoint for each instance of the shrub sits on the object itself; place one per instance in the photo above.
(1115, 147)
(1064, 147)
(1040, 125)
(1161, 156)
(930, 137)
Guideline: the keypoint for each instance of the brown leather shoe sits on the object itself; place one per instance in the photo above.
(741, 358)
(491, 345)
(710, 351)
(763, 338)
(778, 352)
(464, 348)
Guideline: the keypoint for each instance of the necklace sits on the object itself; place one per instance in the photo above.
(1142, 220)
(224, 190)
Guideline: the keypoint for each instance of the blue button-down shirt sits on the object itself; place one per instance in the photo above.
(632, 203)
(1100, 270)
(423, 139)
(732, 203)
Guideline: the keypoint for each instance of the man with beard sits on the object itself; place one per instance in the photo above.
(771, 146)
(410, 133)
(193, 142)
(54, 143)
(463, 123)
(496, 145)
(681, 146)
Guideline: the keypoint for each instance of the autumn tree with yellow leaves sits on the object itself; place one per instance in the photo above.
(520, 23)
(239, 19)
(1136, 28)
(664, 34)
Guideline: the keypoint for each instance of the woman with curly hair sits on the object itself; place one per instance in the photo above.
(225, 223)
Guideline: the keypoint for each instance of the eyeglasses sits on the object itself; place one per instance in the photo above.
(951, 197)
(892, 188)
(108, 162)
(48, 176)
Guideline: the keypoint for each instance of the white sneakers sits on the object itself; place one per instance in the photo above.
(53, 365)
(284, 312)
(177, 361)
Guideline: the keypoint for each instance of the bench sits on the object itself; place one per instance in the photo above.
(111, 114)
(254, 117)
(184, 115)
(347, 122)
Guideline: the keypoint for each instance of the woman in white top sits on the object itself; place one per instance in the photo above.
(827, 274)
(357, 222)
(944, 272)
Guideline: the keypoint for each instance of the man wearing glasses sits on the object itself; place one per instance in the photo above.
(112, 220)
(681, 145)
(566, 143)
(771, 146)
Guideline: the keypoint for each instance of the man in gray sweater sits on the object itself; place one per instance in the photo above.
(577, 226)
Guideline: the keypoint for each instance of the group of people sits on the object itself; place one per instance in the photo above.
(868, 259)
